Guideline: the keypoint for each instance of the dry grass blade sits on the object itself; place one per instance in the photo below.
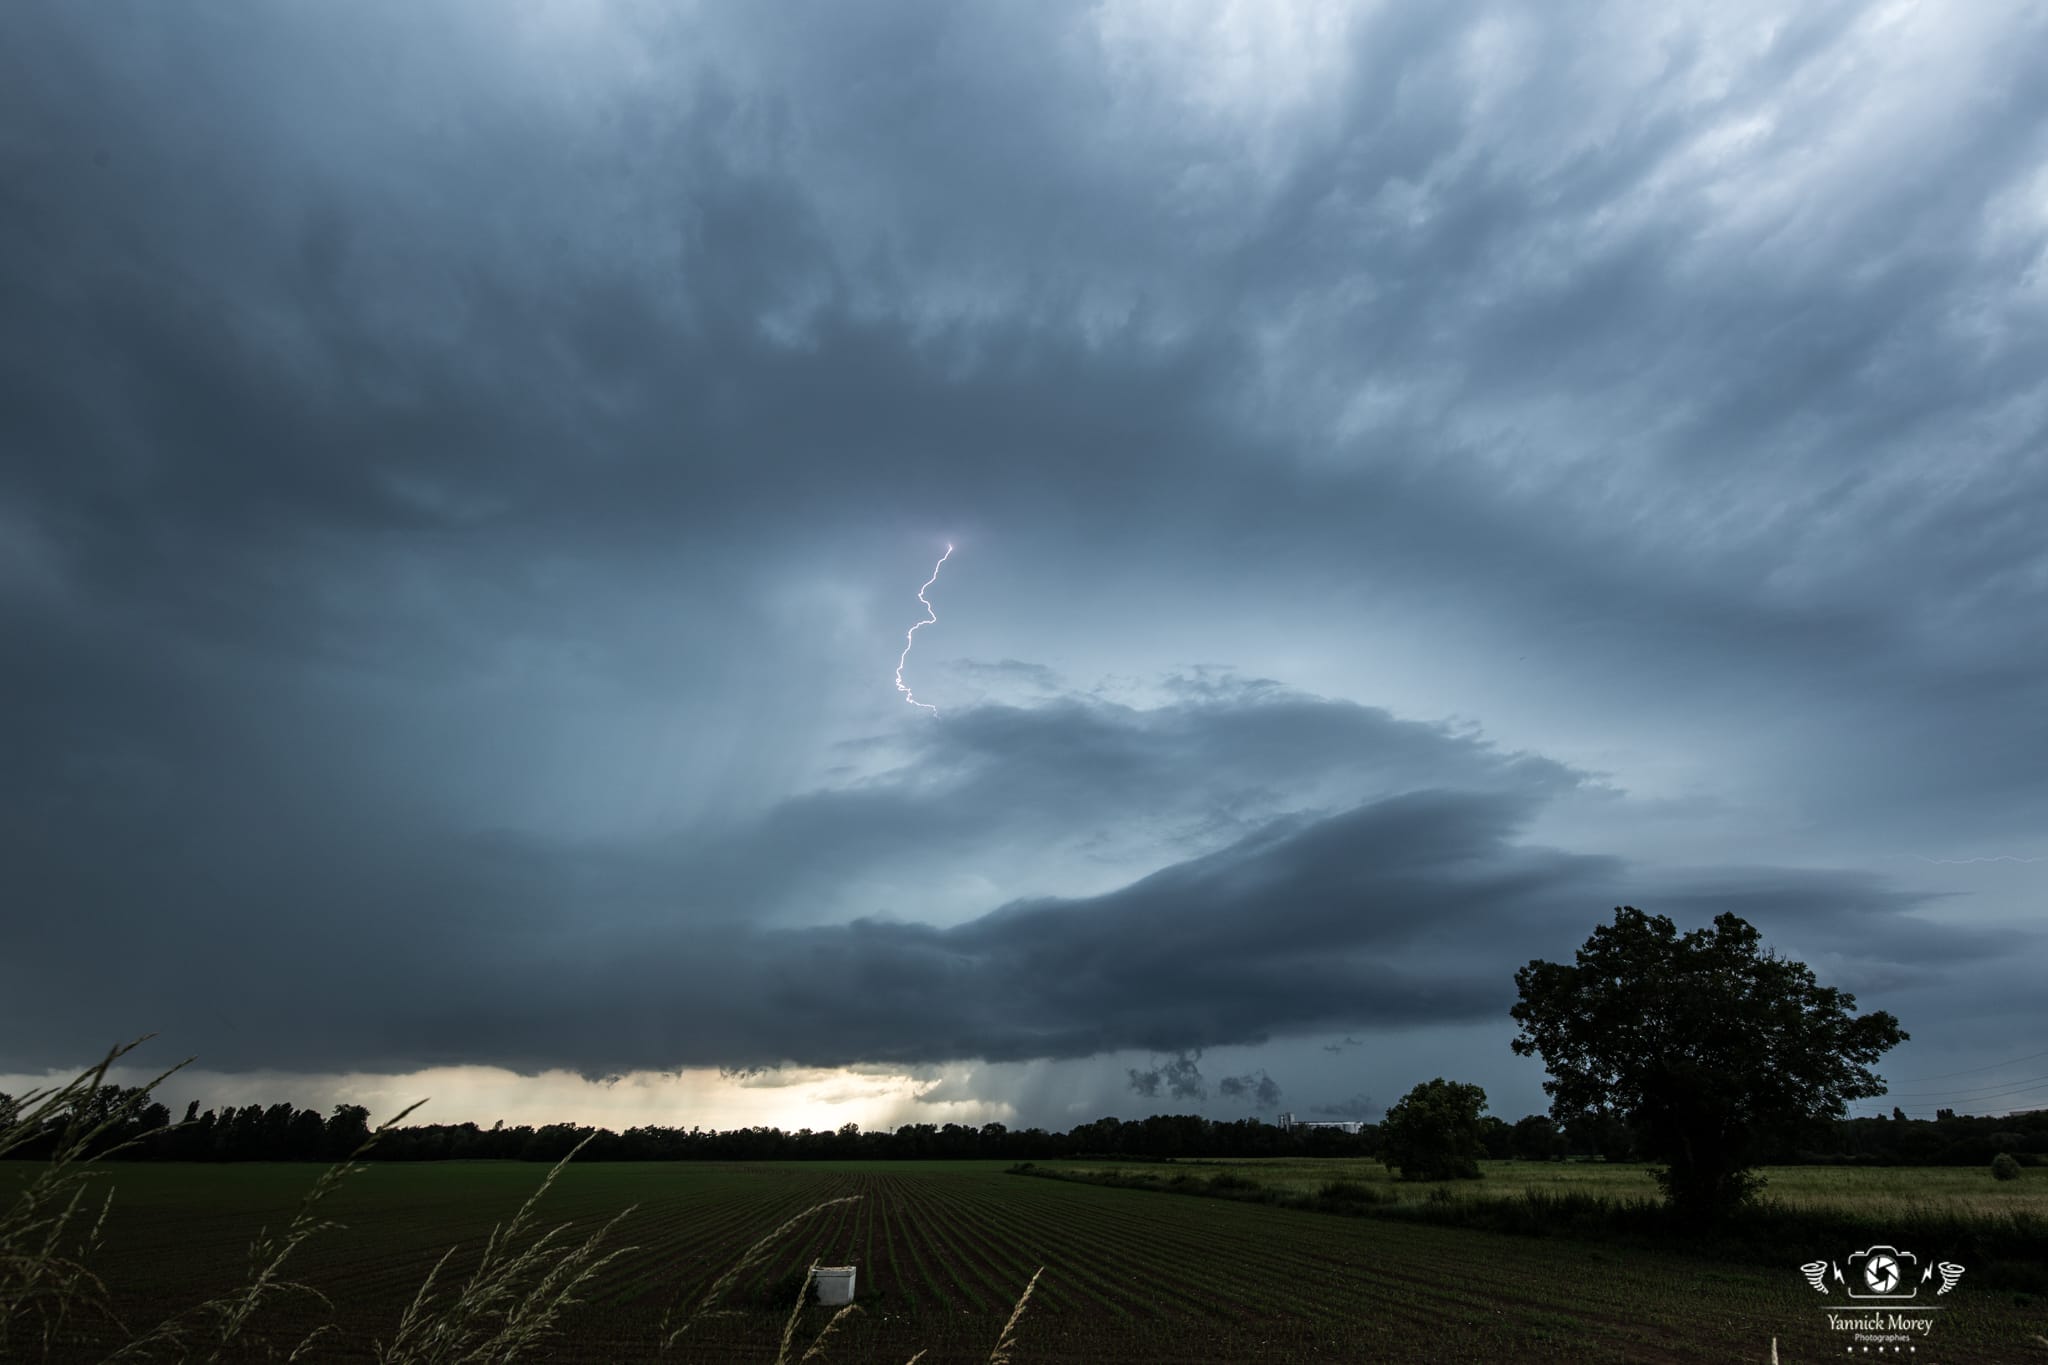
(511, 1303)
(753, 1254)
(919, 1356)
(818, 1346)
(796, 1310)
(42, 1277)
(38, 1275)
(221, 1321)
(534, 1317)
(1007, 1342)
(422, 1299)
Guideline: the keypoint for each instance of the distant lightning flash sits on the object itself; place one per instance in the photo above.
(910, 636)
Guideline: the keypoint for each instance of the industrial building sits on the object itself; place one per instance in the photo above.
(1288, 1121)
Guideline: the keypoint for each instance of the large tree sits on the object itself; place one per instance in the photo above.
(1706, 1043)
(1434, 1132)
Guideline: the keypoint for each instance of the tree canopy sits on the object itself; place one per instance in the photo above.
(1434, 1132)
(1707, 1044)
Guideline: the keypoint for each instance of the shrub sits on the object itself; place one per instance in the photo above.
(1353, 1192)
(2004, 1167)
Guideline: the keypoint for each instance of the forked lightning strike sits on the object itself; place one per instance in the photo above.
(910, 636)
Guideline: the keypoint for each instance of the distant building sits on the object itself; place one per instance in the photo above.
(1288, 1121)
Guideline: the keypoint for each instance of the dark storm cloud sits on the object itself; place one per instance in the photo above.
(1361, 918)
(1261, 1090)
(1358, 1107)
(380, 386)
(1403, 912)
(1181, 1076)
(260, 387)
(222, 439)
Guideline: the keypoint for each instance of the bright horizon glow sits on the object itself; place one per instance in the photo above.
(790, 1098)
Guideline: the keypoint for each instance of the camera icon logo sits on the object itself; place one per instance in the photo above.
(1883, 1272)
(1880, 1272)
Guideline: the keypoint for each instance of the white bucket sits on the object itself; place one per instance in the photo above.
(835, 1283)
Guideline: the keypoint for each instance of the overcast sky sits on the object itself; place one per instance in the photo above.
(1420, 477)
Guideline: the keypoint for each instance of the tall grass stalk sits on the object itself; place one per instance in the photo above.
(509, 1306)
(43, 1272)
(512, 1303)
(1007, 1342)
(818, 1345)
(752, 1256)
(220, 1322)
(796, 1311)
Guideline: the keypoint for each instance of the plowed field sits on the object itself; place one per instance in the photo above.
(943, 1249)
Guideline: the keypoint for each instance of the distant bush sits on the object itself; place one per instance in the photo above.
(1343, 1192)
(2004, 1167)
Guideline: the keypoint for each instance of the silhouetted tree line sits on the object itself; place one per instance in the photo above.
(282, 1132)
(1948, 1139)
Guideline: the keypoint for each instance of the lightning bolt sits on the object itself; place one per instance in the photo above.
(910, 636)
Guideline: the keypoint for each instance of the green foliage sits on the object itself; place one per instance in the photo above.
(1434, 1132)
(1536, 1139)
(1351, 1193)
(2005, 1166)
(1707, 1044)
(1496, 1138)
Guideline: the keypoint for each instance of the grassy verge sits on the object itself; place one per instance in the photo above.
(2001, 1247)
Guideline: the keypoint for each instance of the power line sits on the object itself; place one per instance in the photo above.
(1950, 1102)
(1984, 1092)
(1946, 1075)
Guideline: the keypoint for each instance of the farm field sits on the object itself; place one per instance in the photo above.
(1873, 1193)
(943, 1249)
